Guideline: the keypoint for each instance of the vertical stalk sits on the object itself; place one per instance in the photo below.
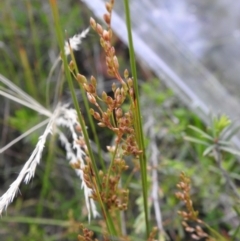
(96, 178)
(137, 117)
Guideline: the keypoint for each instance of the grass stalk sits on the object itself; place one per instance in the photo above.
(31, 86)
(90, 118)
(96, 179)
(137, 116)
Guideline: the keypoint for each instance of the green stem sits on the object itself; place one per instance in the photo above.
(137, 116)
(109, 221)
(90, 118)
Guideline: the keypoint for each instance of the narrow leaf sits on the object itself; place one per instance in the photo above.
(202, 133)
(195, 140)
(230, 150)
(208, 150)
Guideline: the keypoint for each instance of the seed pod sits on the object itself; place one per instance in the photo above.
(71, 65)
(101, 124)
(91, 111)
(114, 87)
(109, 100)
(115, 61)
(107, 18)
(108, 6)
(130, 82)
(93, 81)
(91, 98)
(110, 73)
(97, 116)
(106, 35)
(102, 42)
(126, 74)
(81, 78)
(99, 29)
(119, 113)
(93, 23)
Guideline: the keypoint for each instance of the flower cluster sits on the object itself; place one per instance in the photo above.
(112, 195)
(113, 116)
(190, 215)
(108, 111)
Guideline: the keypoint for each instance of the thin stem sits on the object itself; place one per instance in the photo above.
(137, 117)
(90, 118)
(28, 132)
(109, 221)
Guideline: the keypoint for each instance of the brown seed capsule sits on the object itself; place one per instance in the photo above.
(110, 73)
(194, 236)
(107, 18)
(97, 116)
(106, 35)
(119, 113)
(126, 74)
(109, 100)
(119, 99)
(101, 124)
(189, 229)
(99, 29)
(93, 81)
(91, 98)
(130, 82)
(108, 6)
(104, 96)
(93, 23)
(91, 111)
(115, 61)
(110, 148)
(81, 78)
(78, 128)
(89, 88)
(112, 51)
(100, 173)
(109, 61)
(131, 92)
(114, 87)
(71, 65)
(117, 92)
(102, 42)
(110, 33)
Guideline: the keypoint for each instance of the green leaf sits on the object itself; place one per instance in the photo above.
(208, 150)
(195, 140)
(202, 133)
(224, 143)
(219, 124)
(230, 150)
(228, 133)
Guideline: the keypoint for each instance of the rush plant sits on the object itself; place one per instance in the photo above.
(106, 182)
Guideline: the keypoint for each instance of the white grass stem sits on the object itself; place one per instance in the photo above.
(13, 87)
(40, 109)
(26, 133)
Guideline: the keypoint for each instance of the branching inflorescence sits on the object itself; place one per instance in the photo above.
(109, 114)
